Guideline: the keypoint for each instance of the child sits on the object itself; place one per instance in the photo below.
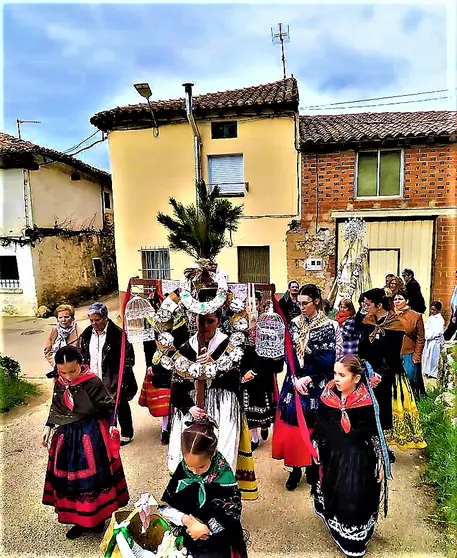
(434, 330)
(352, 454)
(84, 482)
(203, 496)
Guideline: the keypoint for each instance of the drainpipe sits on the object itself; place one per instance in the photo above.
(197, 138)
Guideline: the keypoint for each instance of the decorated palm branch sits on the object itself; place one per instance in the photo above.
(353, 276)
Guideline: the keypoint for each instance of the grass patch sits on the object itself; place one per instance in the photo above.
(441, 457)
(14, 390)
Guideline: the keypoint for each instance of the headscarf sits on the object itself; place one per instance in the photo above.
(220, 472)
(98, 308)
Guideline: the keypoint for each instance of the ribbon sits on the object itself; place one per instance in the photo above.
(119, 528)
(291, 362)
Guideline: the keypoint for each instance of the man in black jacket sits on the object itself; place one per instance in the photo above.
(289, 302)
(101, 349)
(413, 289)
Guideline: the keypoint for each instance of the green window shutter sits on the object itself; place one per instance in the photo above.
(367, 174)
(389, 174)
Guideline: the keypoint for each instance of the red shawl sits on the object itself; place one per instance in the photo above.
(358, 398)
(83, 377)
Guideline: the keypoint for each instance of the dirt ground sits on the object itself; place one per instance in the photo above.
(280, 522)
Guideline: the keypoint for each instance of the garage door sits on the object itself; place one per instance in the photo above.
(394, 245)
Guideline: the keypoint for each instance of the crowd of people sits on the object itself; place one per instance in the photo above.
(349, 395)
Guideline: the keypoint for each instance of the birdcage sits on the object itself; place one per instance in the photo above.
(139, 320)
(270, 335)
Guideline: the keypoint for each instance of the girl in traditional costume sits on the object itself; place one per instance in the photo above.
(217, 357)
(84, 480)
(317, 343)
(259, 388)
(203, 497)
(434, 330)
(380, 344)
(353, 458)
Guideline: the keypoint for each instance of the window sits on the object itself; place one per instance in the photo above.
(107, 200)
(379, 173)
(9, 272)
(98, 268)
(254, 264)
(227, 172)
(224, 130)
(155, 263)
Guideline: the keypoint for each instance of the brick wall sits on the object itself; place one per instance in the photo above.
(430, 180)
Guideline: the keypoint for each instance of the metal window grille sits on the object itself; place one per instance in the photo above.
(155, 263)
(9, 272)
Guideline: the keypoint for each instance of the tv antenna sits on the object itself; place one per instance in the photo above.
(19, 122)
(280, 35)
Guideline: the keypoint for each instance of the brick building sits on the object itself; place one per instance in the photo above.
(396, 170)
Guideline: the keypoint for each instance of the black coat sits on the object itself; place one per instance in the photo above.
(289, 308)
(416, 300)
(111, 357)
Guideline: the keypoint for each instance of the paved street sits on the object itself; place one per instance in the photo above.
(279, 522)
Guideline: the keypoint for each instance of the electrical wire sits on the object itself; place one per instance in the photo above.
(88, 147)
(80, 143)
(379, 98)
(382, 104)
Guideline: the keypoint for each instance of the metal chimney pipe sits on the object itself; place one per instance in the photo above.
(197, 138)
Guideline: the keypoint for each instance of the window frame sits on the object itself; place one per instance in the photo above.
(165, 272)
(107, 192)
(212, 184)
(378, 170)
(225, 123)
(14, 283)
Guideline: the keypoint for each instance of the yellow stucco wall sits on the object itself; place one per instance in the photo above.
(146, 171)
(77, 203)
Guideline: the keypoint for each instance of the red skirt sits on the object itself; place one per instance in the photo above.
(84, 482)
(157, 400)
(288, 444)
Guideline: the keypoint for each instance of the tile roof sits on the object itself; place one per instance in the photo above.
(372, 126)
(279, 95)
(15, 150)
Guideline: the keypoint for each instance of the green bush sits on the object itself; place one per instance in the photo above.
(13, 389)
(441, 457)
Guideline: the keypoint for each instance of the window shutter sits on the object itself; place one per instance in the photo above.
(254, 264)
(227, 172)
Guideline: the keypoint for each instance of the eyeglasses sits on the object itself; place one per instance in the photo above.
(304, 303)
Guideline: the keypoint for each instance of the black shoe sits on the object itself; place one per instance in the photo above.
(165, 438)
(75, 532)
(126, 441)
(98, 528)
(264, 434)
(254, 445)
(294, 478)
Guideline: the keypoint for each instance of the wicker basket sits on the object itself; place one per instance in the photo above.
(148, 541)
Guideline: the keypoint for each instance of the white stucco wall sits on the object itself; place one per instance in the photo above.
(22, 301)
(12, 217)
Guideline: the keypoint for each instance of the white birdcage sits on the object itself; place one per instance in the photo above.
(139, 320)
(270, 335)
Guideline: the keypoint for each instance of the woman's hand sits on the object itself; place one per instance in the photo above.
(204, 357)
(248, 377)
(317, 459)
(46, 434)
(196, 412)
(301, 385)
(195, 528)
(375, 380)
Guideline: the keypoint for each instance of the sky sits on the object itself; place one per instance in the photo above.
(62, 63)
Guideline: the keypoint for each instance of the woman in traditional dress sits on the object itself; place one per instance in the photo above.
(349, 445)
(259, 388)
(380, 344)
(212, 351)
(434, 330)
(64, 333)
(155, 392)
(413, 342)
(347, 322)
(84, 480)
(203, 498)
(317, 343)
